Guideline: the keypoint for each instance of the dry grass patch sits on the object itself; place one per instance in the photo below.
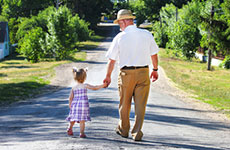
(212, 87)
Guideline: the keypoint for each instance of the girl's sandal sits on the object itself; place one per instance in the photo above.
(70, 132)
(82, 136)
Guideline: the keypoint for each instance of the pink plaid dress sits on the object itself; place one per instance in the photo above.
(80, 105)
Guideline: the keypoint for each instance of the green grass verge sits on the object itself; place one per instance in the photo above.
(212, 87)
(20, 79)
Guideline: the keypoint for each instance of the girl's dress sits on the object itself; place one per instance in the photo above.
(80, 105)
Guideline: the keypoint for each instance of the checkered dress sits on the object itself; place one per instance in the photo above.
(80, 106)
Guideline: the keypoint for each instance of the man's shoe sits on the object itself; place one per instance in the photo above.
(138, 136)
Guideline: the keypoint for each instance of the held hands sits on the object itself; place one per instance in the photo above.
(154, 76)
(105, 85)
(107, 81)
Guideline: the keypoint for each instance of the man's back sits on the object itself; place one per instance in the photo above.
(135, 46)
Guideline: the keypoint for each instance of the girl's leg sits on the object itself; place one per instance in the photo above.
(71, 125)
(82, 129)
(70, 128)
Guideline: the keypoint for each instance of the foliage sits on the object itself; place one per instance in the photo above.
(41, 20)
(61, 31)
(165, 24)
(160, 34)
(30, 46)
(138, 7)
(3, 19)
(89, 10)
(213, 30)
(150, 9)
(81, 28)
(13, 27)
(23, 8)
(185, 35)
(11, 8)
(1, 3)
(64, 31)
(226, 63)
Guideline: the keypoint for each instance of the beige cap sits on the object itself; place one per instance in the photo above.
(124, 14)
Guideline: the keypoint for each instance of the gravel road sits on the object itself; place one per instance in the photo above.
(173, 120)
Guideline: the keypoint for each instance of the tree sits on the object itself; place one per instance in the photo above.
(89, 10)
(184, 35)
(139, 7)
(23, 8)
(41, 20)
(215, 30)
(150, 9)
(165, 24)
(1, 3)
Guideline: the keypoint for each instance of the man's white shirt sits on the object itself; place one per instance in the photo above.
(132, 47)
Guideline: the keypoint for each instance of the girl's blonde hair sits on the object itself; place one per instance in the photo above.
(79, 75)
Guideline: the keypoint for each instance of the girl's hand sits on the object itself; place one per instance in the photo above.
(105, 85)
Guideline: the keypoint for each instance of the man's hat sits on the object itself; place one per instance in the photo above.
(124, 14)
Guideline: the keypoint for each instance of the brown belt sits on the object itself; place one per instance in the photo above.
(134, 67)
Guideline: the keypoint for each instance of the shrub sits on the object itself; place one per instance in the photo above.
(62, 35)
(30, 45)
(160, 34)
(226, 63)
(81, 28)
(64, 31)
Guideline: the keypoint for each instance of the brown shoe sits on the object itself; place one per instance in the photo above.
(119, 133)
(137, 136)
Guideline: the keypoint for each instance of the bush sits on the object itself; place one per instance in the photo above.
(160, 34)
(62, 36)
(30, 45)
(26, 24)
(226, 63)
(81, 28)
(60, 32)
(64, 32)
(3, 19)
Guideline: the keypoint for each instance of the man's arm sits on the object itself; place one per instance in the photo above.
(154, 74)
(110, 68)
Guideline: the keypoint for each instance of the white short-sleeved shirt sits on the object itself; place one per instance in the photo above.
(133, 47)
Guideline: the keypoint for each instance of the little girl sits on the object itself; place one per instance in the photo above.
(78, 102)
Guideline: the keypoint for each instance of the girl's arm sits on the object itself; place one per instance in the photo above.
(96, 87)
(70, 98)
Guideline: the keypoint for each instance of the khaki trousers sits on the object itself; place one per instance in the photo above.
(134, 84)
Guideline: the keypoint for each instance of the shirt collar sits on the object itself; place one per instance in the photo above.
(129, 28)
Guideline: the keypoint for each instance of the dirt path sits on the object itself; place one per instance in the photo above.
(172, 120)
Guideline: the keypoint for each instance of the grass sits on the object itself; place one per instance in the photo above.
(212, 87)
(20, 79)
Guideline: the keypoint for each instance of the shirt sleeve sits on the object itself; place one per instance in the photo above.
(154, 49)
(113, 51)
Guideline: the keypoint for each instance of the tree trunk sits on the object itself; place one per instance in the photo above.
(209, 58)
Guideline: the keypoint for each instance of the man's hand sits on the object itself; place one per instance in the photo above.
(110, 67)
(107, 80)
(154, 76)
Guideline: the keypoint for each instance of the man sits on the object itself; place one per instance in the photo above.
(132, 48)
